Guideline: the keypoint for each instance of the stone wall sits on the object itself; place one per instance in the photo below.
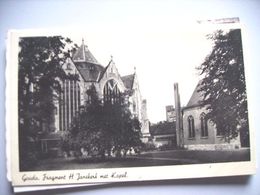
(210, 142)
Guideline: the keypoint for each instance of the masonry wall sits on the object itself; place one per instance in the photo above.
(210, 142)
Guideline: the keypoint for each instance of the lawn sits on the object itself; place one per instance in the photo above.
(153, 158)
(203, 156)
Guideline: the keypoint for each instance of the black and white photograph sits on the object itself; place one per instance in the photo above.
(119, 101)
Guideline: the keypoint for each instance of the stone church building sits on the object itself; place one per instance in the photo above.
(194, 131)
(108, 83)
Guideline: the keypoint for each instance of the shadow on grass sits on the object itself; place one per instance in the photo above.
(155, 158)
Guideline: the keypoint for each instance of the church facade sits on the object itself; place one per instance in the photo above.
(108, 84)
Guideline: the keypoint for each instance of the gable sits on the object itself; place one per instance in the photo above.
(111, 72)
(69, 67)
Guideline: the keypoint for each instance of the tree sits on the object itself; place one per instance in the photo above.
(40, 69)
(224, 86)
(162, 128)
(103, 127)
(87, 129)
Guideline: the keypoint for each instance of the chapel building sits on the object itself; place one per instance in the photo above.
(194, 131)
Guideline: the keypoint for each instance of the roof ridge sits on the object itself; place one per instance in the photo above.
(196, 96)
(128, 75)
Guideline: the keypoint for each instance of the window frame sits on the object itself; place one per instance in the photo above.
(191, 127)
(204, 125)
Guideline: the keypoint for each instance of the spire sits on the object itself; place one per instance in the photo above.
(83, 43)
(111, 60)
(84, 52)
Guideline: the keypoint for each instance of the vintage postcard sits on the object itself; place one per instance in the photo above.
(89, 106)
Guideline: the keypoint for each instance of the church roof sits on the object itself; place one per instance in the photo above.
(89, 71)
(86, 63)
(84, 55)
(128, 80)
(196, 96)
(104, 70)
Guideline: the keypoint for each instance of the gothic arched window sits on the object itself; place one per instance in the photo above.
(191, 127)
(204, 125)
(111, 92)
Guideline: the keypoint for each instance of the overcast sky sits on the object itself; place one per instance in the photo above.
(164, 49)
(161, 57)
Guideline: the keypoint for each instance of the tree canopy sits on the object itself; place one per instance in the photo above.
(40, 69)
(163, 128)
(223, 85)
(104, 127)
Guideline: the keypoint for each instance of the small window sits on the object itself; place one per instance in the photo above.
(68, 66)
(91, 67)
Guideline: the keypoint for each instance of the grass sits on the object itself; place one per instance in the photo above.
(154, 158)
(204, 156)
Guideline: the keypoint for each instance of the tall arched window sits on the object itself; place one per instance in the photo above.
(191, 127)
(111, 92)
(204, 125)
(69, 103)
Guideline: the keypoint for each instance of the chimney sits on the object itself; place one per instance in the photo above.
(179, 130)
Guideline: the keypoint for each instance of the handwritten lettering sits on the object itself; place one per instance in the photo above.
(119, 175)
(86, 176)
(104, 176)
(53, 178)
(26, 177)
(77, 176)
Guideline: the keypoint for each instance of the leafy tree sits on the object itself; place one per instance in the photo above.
(87, 129)
(40, 60)
(123, 128)
(103, 127)
(163, 127)
(224, 85)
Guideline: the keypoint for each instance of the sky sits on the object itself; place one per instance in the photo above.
(163, 47)
(162, 57)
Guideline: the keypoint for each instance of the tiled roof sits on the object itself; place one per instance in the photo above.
(89, 71)
(84, 55)
(128, 80)
(196, 96)
(86, 63)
